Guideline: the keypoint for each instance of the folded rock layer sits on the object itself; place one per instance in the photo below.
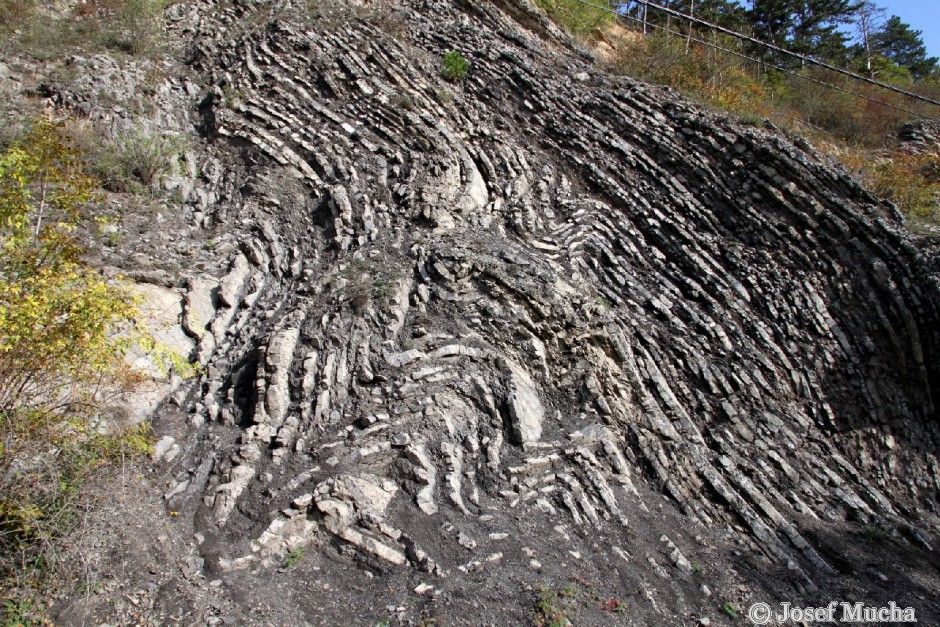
(537, 325)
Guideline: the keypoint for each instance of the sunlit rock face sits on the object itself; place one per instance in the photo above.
(539, 324)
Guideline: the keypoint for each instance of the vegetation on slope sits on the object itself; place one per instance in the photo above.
(61, 359)
(42, 32)
(758, 83)
(65, 330)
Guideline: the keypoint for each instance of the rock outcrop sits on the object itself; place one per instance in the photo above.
(540, 324)
(921, 136)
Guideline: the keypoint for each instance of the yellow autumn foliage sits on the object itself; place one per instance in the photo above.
(56, 314)
(64, 331)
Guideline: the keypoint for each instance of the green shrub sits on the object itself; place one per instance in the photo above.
(873, 533)
(138, 26)
(135, 160)
(454, 66)
(294, 558)
(576, 17)
(552, 607)
(373, 280)
(404, 102)
(45, 37)
(22, 611)
(232, 95)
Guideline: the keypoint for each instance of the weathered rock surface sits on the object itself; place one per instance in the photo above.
(920, 136)
(540, 324)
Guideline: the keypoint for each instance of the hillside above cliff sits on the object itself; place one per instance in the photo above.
(532, 345)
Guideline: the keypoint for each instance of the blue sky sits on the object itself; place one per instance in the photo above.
(922, 15)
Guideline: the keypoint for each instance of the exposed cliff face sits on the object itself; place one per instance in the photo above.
(543, 324)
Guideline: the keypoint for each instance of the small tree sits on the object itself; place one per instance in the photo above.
(454, 66)
(59, 354)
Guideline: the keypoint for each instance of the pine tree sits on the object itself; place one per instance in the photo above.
(772, 20)
(902, 45)
(816, 27)
(809, 27)
(727, 13)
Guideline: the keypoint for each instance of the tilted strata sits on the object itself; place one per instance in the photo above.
(540, 299)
